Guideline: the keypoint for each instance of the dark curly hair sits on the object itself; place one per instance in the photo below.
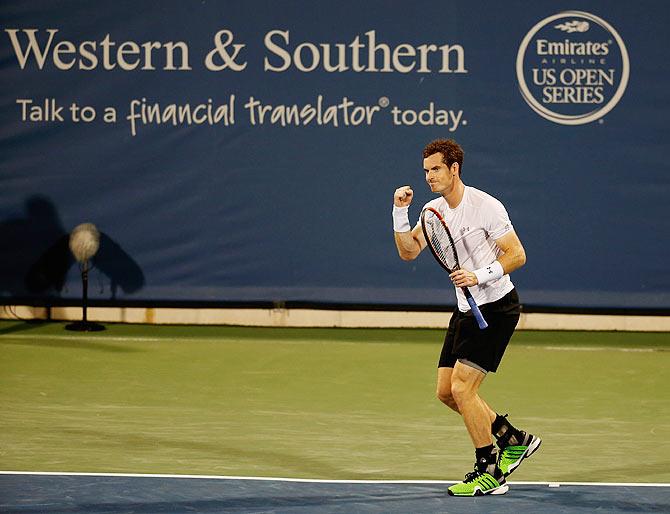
(451, 152)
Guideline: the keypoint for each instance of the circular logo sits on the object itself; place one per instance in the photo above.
(572, 68)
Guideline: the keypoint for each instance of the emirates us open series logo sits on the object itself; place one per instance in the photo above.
(572, 68)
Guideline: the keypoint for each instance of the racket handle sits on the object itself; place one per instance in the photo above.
(477, 313)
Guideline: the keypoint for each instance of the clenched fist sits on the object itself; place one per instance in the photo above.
(403, 196)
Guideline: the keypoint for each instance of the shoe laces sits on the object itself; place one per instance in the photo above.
(473, 475)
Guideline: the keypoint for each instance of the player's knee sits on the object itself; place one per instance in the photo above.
(444, 395)
(461, 391)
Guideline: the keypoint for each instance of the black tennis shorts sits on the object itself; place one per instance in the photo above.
(484, 348)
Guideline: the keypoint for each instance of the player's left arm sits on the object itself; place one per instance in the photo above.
(513, 256)
(499, 227)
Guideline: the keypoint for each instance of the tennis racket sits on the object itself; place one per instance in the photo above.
(442, 246)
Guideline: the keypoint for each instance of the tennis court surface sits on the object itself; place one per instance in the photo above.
(352, 408)
(162, 494)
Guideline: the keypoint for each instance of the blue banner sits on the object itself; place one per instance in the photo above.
(248, 151)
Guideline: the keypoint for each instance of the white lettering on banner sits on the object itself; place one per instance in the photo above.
(368, 56)
(340, 113)
(346, 113)
(220, 51)
(144, 113)
(364, 54)
(65, 54)
(428, 117)
(48, 111)
(572, 68)
(567, 47)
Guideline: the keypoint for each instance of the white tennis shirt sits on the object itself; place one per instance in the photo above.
(475, 224)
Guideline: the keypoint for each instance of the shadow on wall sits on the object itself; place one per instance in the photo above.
(35, 256)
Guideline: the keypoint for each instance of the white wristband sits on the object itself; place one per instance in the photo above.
(491, 272)
(401, 219)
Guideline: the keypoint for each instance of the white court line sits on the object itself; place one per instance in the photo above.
(160, 339)
(592, 348)
(87, 337)
(187, 339)
(316, 480)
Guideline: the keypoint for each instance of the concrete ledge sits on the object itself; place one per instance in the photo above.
(326, 318)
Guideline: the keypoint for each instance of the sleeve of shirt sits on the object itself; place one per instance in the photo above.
(497, 222)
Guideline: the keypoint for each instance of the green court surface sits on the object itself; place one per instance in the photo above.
(322, 403)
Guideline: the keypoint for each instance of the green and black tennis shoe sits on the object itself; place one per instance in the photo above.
(512, 456)
(479, 483)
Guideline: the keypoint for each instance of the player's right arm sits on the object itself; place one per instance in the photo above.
(409, 241)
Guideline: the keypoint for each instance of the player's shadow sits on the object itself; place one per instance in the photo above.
(34, 254)
(122, 271)
(36, 257)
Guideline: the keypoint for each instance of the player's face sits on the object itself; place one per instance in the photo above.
(440, 177)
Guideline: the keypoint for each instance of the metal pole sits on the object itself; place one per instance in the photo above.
(84, 325)
(84, 279)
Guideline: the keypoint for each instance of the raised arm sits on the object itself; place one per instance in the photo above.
(408, 241)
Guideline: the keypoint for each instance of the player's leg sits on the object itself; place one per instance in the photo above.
(446, 363)
(463, 340)
(515, 445)
(486, 477)
(444, 388)
(478, 482)
(465, 382)
(445, 396)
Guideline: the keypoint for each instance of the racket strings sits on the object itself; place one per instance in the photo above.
(441, 242)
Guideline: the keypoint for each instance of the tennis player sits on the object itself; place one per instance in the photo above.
(489, 250)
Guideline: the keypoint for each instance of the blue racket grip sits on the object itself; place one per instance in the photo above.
(477, 313)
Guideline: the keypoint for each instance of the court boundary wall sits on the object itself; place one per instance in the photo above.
(312, 317)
